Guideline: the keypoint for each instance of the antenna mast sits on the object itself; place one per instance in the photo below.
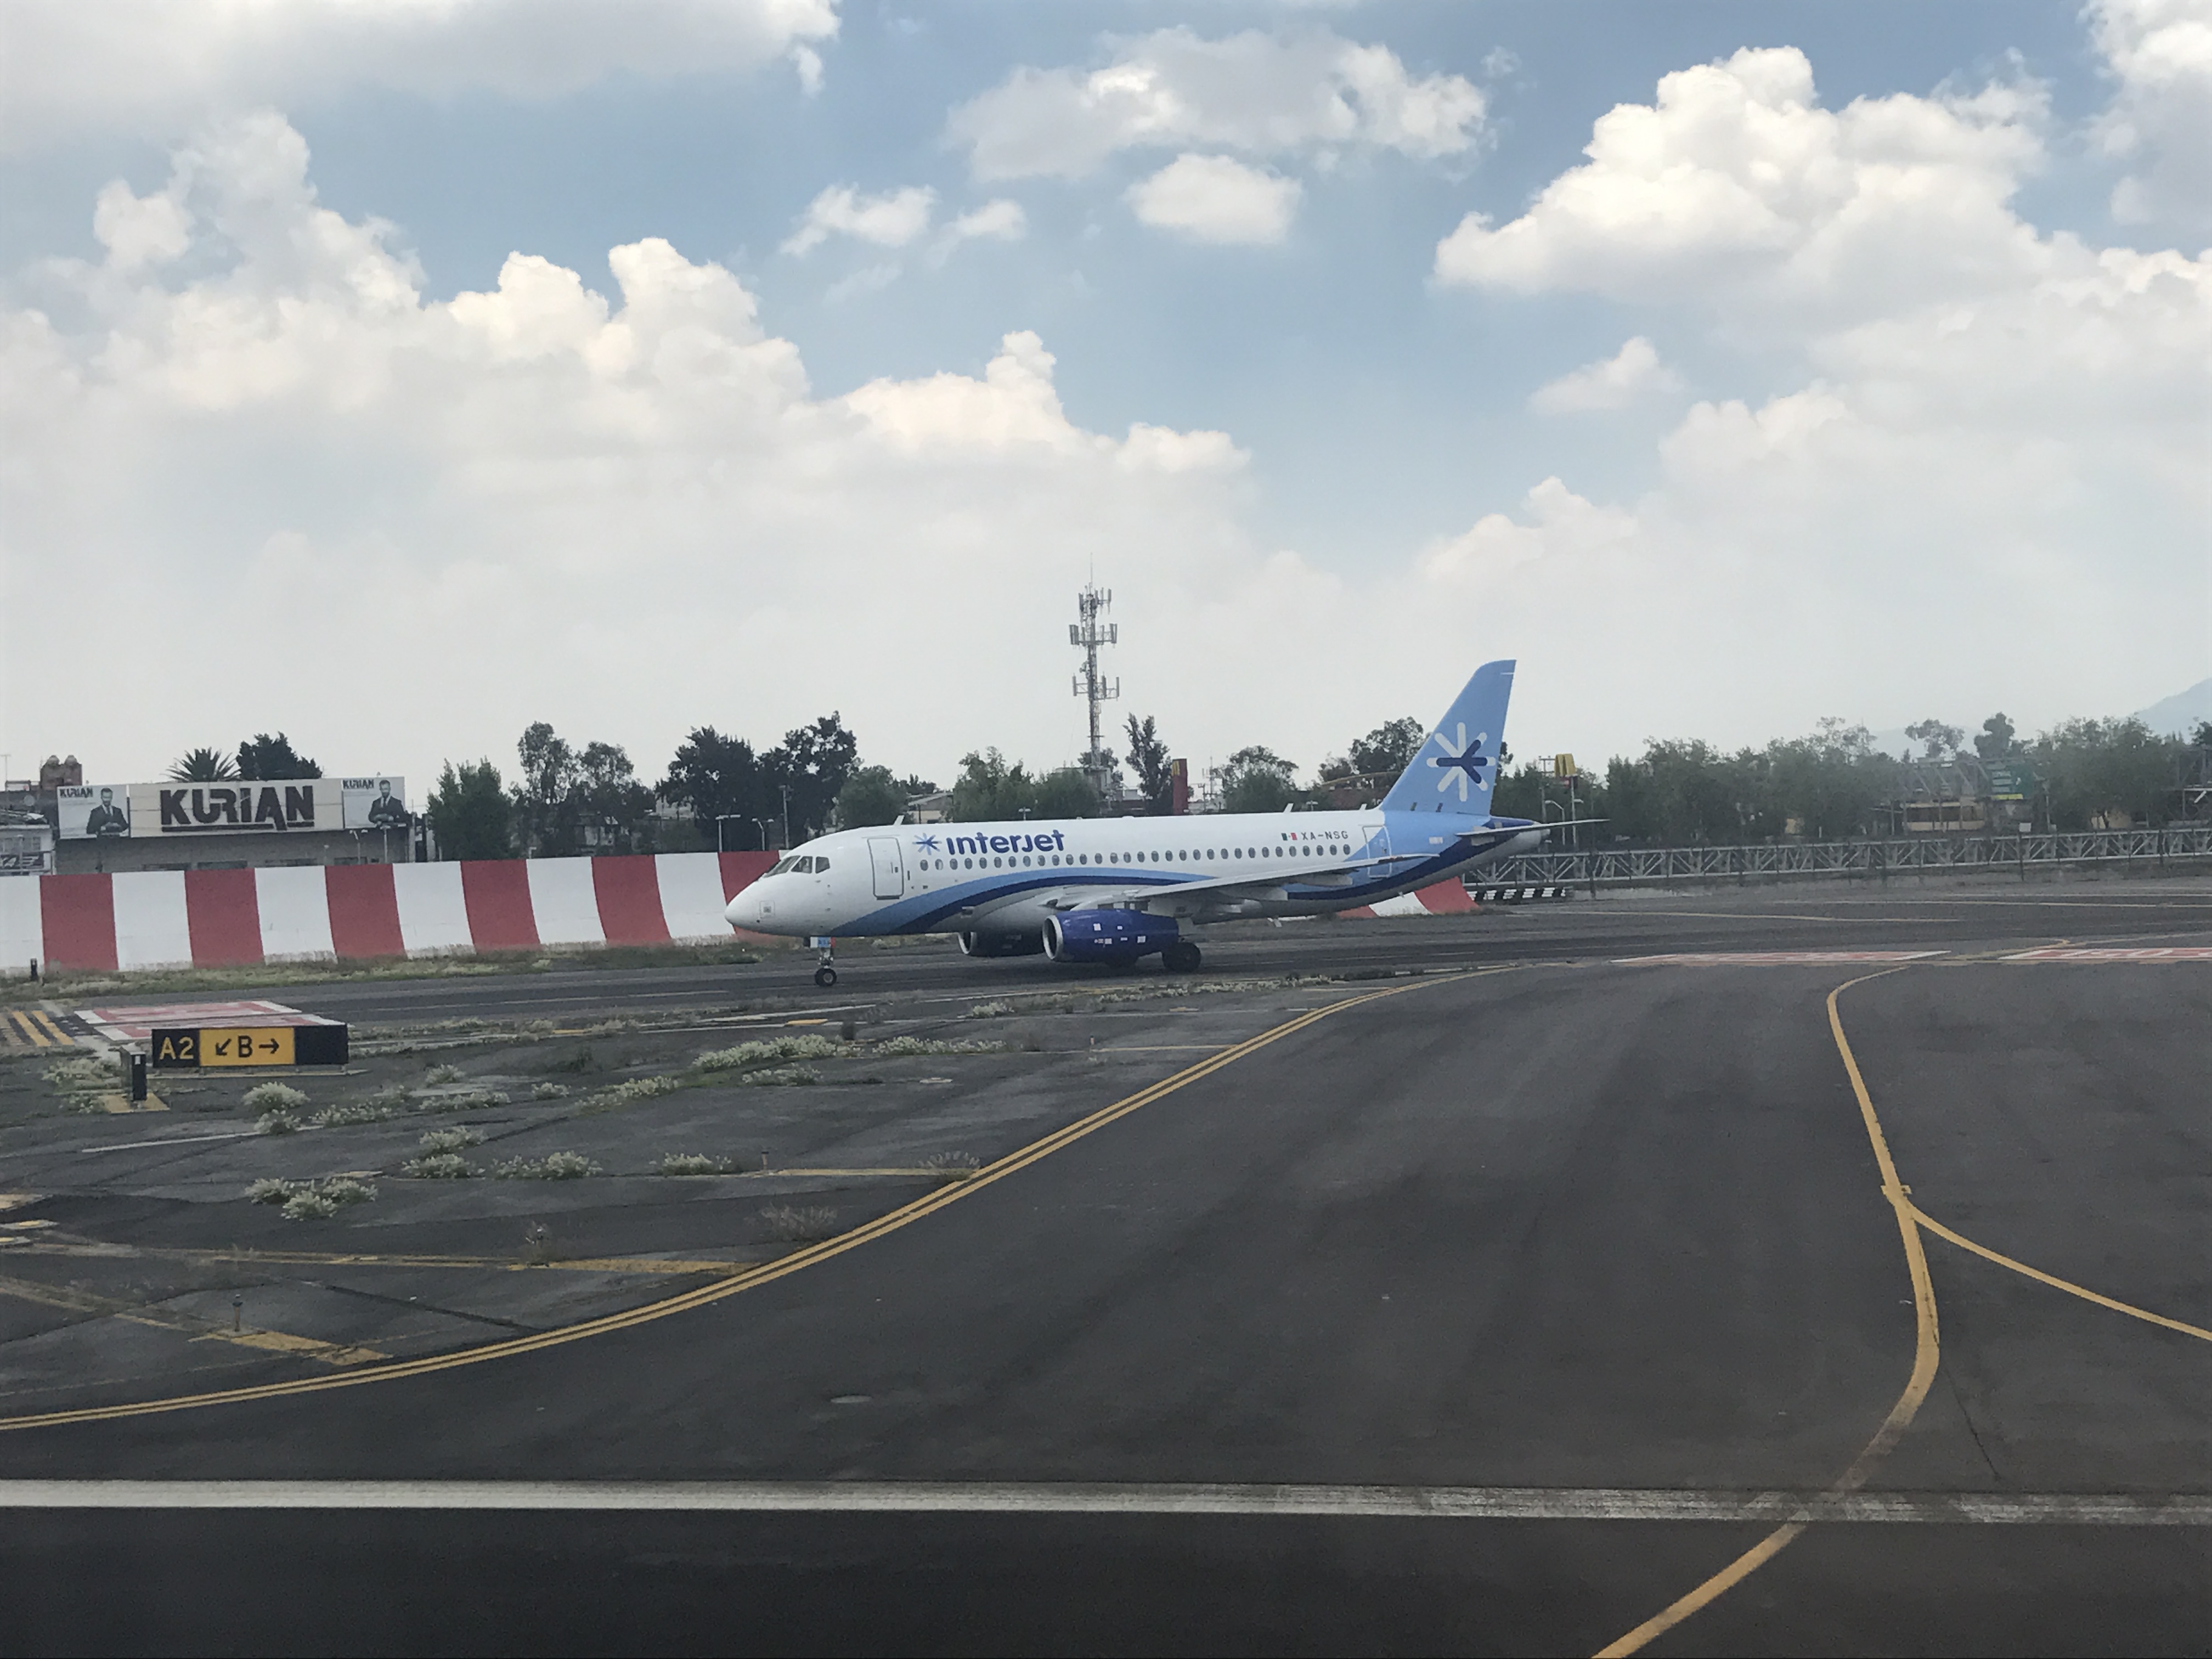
(1088, 635)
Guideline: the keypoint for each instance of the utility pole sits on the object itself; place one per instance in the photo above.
(1089, 635)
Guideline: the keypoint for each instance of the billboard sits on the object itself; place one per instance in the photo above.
(106, 811)
(92, 811)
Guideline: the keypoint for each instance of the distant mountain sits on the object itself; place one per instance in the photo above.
(2180, 712)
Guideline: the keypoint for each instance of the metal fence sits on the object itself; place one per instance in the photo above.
(1661, 865)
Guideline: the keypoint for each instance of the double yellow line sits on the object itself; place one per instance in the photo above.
(1927, 1352)
(753, 1277)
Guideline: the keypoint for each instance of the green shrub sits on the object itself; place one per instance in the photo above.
(443, 1074)
(274, 1097)
(989, 1010)
(637, 1088)
(309, 1205)
(469, 1100)
(271, 1191)
(952, 1166)
(547, 1091)
(345, 1189)
(277, 1123)
(554, 1166)
(450, 1140)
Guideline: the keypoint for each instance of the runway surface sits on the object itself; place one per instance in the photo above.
(1587, 1272)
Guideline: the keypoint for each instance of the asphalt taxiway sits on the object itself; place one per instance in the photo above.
(1838, 1284)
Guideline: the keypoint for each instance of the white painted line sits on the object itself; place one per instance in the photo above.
(2116, 953)
(964, 1497)
(1771, 958)
(172, 1141)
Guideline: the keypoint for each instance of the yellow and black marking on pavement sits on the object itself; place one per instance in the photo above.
(72, 1300)
(24, 1029)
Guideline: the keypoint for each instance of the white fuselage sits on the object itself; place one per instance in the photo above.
(1010, 878)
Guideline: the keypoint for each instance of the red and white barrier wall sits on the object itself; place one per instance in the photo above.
(1446, 899)
(229, 918)
(358, 912)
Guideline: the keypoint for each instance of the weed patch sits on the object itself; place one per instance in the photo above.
(274, 1097)
(952, 1166)
(898, 1048)
(549, 1091)
(469, 1100)
(637, 1088)
(311, 1201)
(439, 1166)
(989, 1010)
(693, 1163)
(780, 1077)
(766, 1051)
(278, 1123)
(438, 1074)
(450, 1140)
(336, 1117)
(554, 1166)
(799, 1224)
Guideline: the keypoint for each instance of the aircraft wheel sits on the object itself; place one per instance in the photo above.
(825, 977)
(1181, 957)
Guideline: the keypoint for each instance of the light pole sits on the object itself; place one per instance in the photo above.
(786, 812)
(764, 823)
(721, 818)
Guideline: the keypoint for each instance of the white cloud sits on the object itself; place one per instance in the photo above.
(625, 513)
(997, 220)
(1264, 94)
(149, 67)
(1613, 382)
(2159, 53)
(891, 220)
(1214, 198)
(1735, 185)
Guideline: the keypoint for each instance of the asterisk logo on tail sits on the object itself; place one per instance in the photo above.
(1464, 761)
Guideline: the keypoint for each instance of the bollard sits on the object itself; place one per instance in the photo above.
(137, 1064)
(237, 1311)
(35, 968)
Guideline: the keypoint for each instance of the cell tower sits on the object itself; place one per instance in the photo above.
(1089, 635)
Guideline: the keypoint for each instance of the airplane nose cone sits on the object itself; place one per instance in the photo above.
(741, 909)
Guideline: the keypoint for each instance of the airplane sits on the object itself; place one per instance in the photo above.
(1115, 890)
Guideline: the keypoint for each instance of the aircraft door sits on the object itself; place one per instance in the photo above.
(1374, 839)
(891, 870)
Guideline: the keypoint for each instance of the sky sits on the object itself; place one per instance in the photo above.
(396, 374)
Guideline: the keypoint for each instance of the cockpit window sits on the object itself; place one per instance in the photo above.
(822, 866)
(781, 866)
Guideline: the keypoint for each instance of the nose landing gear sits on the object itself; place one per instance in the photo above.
(825, 974)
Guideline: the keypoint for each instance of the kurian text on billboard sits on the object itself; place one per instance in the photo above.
(111, 811)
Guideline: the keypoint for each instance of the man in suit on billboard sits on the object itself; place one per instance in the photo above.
(107, 819)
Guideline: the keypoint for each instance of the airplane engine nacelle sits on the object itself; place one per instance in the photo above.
(1001, 944)
(1115, 936)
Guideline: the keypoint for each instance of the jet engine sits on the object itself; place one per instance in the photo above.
(1001, 944)
(1113, 935)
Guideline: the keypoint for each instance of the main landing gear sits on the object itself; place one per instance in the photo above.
(825, 974)
(1181, 957)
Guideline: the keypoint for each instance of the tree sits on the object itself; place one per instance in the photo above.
(1942, 740)
(1389, 749)
(266, 759)
(1066, 793)
(469, 812)
(915, 784)
(1995, 741)
(990, 789)
(543, 820)
(609, 802)
(2200, 735)
(813, 762)
(870, 796)
(1258, 780)
(204, 766)
(1148, 758)
(2103, 768)
(719, 777)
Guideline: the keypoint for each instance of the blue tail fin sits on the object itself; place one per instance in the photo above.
(1457, 768)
